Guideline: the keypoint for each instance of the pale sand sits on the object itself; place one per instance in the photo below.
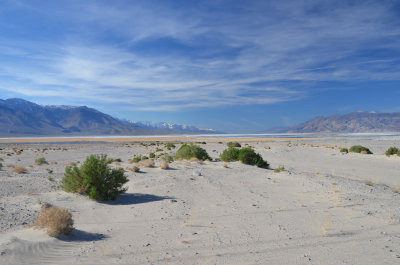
(144, 139)
(326, 208)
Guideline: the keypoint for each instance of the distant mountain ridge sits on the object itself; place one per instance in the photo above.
(19, 117)
(355, 122)
(173, 127)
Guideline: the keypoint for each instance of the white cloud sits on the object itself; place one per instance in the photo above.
(228, 58)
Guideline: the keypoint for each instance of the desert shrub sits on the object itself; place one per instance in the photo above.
(159, 150)
(19, 170)
(279, 169)
(187, 151)
(135, 169)
(233, 144)
(136, 159)
(95, 178)
(344, 150)
(41, 161)
(392, 151)
(147, 163)
(230, 154)
(359, 149)
(1, 166)
(145, 157)
(164, 164)
(249, 157)
(169, 146)
(57, 221)
(152, 155)
(168, 158)
(225, 165)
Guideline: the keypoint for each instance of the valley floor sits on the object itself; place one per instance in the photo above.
(325, 208)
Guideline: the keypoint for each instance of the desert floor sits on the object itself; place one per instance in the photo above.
(325, 208)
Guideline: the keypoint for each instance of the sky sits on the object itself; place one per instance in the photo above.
(234, 66)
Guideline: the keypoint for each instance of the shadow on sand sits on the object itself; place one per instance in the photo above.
(136, 198)
(82, 236)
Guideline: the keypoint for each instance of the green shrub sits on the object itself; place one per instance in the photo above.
(152, 155)
(40, 161)
(249, 157)
(144, 158)
(359, 149)
(187, 151)
(167, 158)
(136, 159)
(1, 166)
(159, 150)
(95, 178)
(233, 144)
(230, 154)
(279, 169)
(344, 150)
(169, 145)
(392, 151)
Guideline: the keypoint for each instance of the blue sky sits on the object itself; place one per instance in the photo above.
(235, 66)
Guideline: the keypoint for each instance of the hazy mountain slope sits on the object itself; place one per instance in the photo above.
(360, 121)
(21, 117)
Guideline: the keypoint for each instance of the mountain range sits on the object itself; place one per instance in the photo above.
(20, 117)
(355, 122)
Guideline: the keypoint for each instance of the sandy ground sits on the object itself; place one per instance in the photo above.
(325, 208)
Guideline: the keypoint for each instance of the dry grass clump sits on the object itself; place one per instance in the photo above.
(147, 163)
(135, 169)
(57, 221)
(53, 162)
(164, 164)
(225, 165)
(19, 170)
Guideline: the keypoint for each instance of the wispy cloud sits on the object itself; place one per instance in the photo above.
(156, 56)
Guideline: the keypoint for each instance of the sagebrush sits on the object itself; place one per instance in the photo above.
(359, 149)
(95, 178)
(188, 151)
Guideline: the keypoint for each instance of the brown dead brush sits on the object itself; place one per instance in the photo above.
(164, 164)
(225, 165)
(58, 221)
(135, 169)
(147, 163)
(19, 170)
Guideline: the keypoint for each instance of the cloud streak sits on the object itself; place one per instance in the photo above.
(153, 56)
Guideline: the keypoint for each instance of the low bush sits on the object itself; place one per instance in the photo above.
(57, 221)
(169, 146)
(135, 169)
(164, 164)
(41, 161)
(359, 149)
(249, 157)
(152, 155)
(344, 150)
(233, 144)
(230, 154)
(136, 159)
(187, 151)
(279, 169)
(19, 170)
(147, 163)
(1, 166)
(95, 178)
(392, 151)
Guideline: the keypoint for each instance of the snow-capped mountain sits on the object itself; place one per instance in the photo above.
(169, 126)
